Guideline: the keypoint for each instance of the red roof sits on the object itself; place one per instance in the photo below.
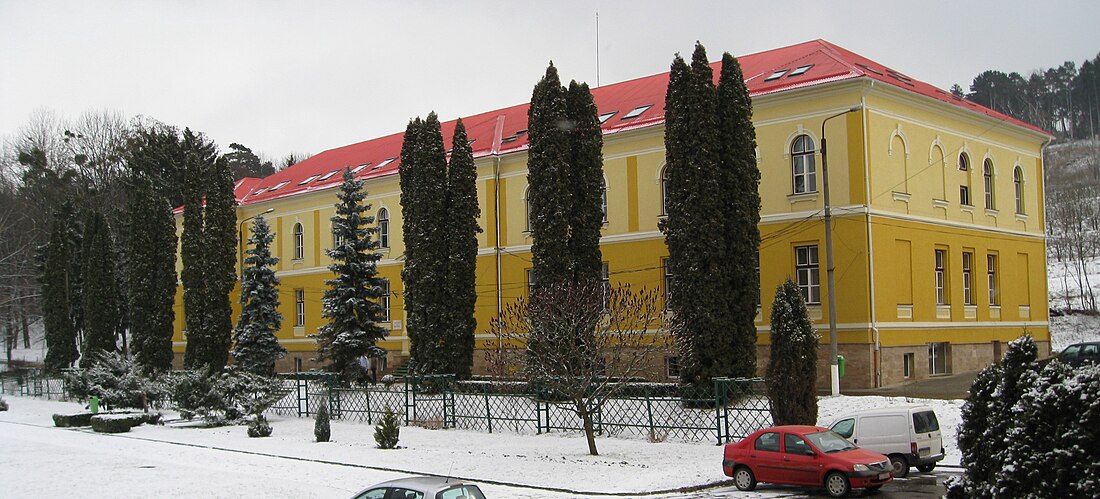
(503, 131)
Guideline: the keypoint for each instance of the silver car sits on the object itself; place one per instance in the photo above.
(422, 487)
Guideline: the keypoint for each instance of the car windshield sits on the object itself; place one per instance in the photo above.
(829, 442)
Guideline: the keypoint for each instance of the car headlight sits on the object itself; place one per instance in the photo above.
(860, 467)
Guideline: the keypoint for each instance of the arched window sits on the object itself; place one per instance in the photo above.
(1018, 185)
(987, 176)
(603, 198)
(384, 228)
(664, 191)
(964, 188)
(299, 241)
(802, 165)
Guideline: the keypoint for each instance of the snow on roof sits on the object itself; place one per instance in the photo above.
(628, 105)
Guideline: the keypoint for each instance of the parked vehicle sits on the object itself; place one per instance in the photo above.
(1078, 354)
(908, 435)
(422, 487)
(804, 455)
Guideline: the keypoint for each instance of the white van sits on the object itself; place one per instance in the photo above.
(908, 435)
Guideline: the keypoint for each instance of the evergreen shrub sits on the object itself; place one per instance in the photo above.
(388, 430)
(3, 404)
(116, 423)
(259, 427)
(321, 427)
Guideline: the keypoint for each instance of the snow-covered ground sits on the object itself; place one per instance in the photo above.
(39, 460)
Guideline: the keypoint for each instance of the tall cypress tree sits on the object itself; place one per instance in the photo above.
(739, 182)
(152, 284)
(99, 293)
(199, 158)
(61, 332)
(219, 262)
(255, 346)
(585, 183)
(792, 367)
(351, 304)
(547, 177)
(424, 209)
(461, 229)
(696, 253)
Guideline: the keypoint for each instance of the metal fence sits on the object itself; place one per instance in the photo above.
(733, 409)
(32, 383)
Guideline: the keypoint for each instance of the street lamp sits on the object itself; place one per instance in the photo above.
(834, 369)
(240, 230)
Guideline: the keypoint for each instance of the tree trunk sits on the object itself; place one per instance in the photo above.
(589, 430)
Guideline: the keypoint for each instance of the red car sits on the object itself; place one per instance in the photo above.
(804, 455)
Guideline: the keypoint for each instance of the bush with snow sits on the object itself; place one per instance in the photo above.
(3, 404)
(117, 381)
(388, 430)
(224, 397)
(259, 427)
(321, 428)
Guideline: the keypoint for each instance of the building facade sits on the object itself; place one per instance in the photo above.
(937, 208)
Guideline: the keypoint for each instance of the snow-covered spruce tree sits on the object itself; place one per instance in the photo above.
(388, 430)
(152, 274)
(462, 230)
(322, 428)
(584, 179)
(697, 261)
(988, 417)
(56, 275)
(255, 346)
(99, 294)
(548, 192)
(220, 262)
(351, 304)
(424, 209)
(739, 181)
(199, 156)
(1053, 446)
(792, 368)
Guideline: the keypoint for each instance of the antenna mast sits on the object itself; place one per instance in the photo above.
(597, 49)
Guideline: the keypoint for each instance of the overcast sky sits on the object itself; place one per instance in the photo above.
(288, 76)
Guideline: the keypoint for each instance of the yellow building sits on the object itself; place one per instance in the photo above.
(937, 210)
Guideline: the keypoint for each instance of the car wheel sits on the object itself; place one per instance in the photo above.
(744, 479)
(837, 484)
(925, 468)
(900, 465)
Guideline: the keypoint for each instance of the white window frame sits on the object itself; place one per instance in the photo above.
(605, 284)
(807, 269)
(667, 281)
(939, 358)
(299, 241)
(991, 280)
(384, 228)
(299, 308)
(990, 185)
(968, 276)
(803, 165)
(1018, 186)
(384, 300)
(941, 277)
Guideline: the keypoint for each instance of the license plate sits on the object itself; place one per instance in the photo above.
(883, 476)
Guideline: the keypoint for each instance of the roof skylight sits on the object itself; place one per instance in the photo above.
(261, 191)
(278, 186)
(800, 70)
(360, 167)
(328, 175)
(308, 179)
(869, 68)
(606, 116)
(776, 75)
(383, 163)
(634, 113)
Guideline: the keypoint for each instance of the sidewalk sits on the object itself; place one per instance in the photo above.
(953, 386)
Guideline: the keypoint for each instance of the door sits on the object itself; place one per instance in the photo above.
(926, 431)
(768, 458)
(799, 467)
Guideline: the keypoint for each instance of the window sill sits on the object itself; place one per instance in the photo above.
(992, 212)
(299, 331)
(902, 196)
(802, 196)
(1021, 217)
(939, 203)
(966, 208)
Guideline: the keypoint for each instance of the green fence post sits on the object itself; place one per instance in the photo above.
(649, 413)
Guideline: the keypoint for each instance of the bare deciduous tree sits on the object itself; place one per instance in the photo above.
(580, 344)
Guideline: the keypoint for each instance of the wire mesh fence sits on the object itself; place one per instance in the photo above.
(733, 409)
(33, 383)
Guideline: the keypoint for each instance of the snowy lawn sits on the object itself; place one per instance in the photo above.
(290, 464)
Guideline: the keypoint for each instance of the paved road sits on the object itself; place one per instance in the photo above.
(915, 485)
